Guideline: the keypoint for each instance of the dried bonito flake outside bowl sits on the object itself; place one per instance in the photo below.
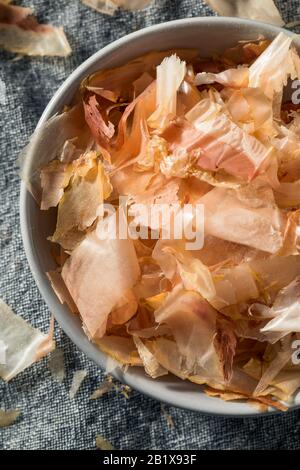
(207, 121)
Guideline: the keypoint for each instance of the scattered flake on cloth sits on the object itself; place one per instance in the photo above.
(8, 417)
(25, 345)
(20, 32)
(252, 9)
(78, 378)
(56, 364)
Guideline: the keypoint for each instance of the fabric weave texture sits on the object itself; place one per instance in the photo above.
(50, 419)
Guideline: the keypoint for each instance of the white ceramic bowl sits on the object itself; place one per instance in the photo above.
(209, 35)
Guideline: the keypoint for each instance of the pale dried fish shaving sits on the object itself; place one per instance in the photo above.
(3, 348)
(46, 143)
(265, 401)
(167, 416)
(121, 78)
(252, 9)
(81, 204)
(109, 7)
(103, 444)
(252, 110)
(193, 273)
(56, 364)
(117, 260)
(78, 378)
(121, 349)
(273, 403)
(21, 33)
(104, 388)
(291, 238)
(112, 365)
(151, 365)
(284, 384)
(8, 417)
(234, 78)
(273, 67)
(285, 309)
(25, 344)
(50, 42)
(54, 179)
(251, 218)
(216, 142)
(133, 4)
(276, 365)
(61, 290)
(3, 100)
(170, 74)
(200, 321)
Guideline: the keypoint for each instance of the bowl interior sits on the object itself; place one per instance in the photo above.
(208, 35)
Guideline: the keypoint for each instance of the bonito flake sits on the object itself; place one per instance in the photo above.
(20, 32)
(146, 148)
(23, 344)
(109, 7)
(253, 9)
(3, 348)
(8, 417)
(77, 380)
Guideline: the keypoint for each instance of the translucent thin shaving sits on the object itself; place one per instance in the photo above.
(21, 33)
(8, 417)
(24, 345)
(78, 378)
(253, 9)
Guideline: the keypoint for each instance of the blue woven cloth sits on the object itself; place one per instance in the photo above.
(50, 419)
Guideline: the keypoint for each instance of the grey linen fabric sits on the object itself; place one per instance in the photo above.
(50, 419)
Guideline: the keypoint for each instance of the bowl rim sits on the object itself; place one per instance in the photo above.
(28, 243)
